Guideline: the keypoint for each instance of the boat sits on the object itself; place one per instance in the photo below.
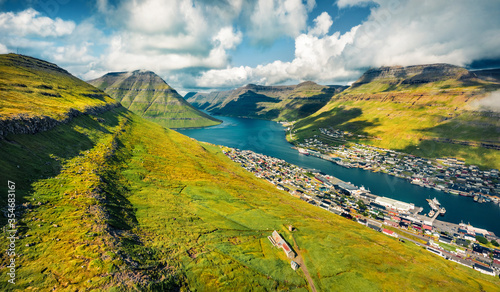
(432, 204)
(431, 213)
(303, 151)
(475, 198)
(436, 202)
(442, 211)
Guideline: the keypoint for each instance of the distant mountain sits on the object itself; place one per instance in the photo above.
(488, 74)
(414, 75)
(427, 110)
(288, 102)
(189, 94)
(148, 95)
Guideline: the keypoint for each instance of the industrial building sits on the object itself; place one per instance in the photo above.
(389, 203)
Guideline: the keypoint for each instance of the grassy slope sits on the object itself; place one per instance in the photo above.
(146, 94)
(183, 214)
(117, 201)
(27, 89)
(408, 117)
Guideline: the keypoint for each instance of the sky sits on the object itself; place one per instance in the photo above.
(223, 44)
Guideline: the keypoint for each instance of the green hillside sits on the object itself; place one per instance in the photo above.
(280, 103)
(111, 201)
(428, 111)
(146, 94)
(32, 88)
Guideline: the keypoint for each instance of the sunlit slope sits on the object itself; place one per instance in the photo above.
(128, 203)
(146, 94)
(31, 87)
(428, 110)
(111, 200)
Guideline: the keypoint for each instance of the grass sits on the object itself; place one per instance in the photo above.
(409, 118)
(187, 216)
(126, 204)
(37, 88)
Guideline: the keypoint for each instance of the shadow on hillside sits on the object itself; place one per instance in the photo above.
(27, 158)
(340, 118)
(247, 105)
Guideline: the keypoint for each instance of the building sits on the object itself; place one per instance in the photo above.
(295, 266)
(394, 204)
(484, 270)
(445, 239)
(390, 233)
(280, 242)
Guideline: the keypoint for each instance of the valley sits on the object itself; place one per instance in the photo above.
(121, 202)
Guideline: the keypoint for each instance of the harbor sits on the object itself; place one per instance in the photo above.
(379, 213)
(268, 138)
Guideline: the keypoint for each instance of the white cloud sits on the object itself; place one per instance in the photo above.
(322, 25)
(272, 19)
(3, 49)
(347, 3)
(29, 22)
(397, 32)
(489, 103)
(226, 38)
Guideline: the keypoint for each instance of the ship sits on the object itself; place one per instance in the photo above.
(303, 151)
(442, 211)
(434, 203)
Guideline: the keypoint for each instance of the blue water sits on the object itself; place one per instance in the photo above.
(268, 138)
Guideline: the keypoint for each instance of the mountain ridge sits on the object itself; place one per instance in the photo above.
(282, 102)
(148, 95)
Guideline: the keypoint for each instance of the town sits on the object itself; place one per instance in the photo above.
(445, 174)
(464, 244)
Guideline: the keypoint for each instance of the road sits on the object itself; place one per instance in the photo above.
(299, 260)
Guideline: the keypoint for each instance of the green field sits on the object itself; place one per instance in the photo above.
(116, 202)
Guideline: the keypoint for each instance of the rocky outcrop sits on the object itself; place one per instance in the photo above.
(418, 74)
(25, 124)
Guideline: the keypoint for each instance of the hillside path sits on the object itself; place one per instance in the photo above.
(303, 266)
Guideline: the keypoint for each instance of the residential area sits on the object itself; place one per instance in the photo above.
(447, 174)
(467, 245)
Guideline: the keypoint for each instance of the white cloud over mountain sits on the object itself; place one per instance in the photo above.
(191, 42)
(396, 33)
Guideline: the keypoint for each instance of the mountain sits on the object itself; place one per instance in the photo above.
(107, 200)
(427, 110)
(146, 94)
(289, 102)
(488, 74)
(189, 94)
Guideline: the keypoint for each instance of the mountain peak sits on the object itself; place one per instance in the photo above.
(148, 95)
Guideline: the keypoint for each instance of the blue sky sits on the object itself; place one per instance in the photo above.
(220, 44)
